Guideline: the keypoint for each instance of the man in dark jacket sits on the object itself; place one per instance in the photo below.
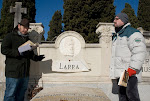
(17, 64)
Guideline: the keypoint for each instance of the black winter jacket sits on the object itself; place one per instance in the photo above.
(17, 66)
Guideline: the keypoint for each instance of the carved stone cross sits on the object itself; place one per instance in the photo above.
(18, 10)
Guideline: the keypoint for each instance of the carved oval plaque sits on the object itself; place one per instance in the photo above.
(70, 46)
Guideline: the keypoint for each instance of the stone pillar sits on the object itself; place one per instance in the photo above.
(105, 30)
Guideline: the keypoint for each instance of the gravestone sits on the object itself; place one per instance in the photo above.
(71, 60)
(69, 46)
(17, 10)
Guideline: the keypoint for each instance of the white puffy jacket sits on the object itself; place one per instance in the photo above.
(128, 50)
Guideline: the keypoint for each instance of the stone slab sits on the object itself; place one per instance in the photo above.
(71, 94)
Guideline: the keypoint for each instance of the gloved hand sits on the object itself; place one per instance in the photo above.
(25, 54)
(39, 58)
(131, 72)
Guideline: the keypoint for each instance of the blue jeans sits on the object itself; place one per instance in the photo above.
(15, 89)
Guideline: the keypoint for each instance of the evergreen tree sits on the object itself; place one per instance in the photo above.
(43, 38)
(131, 14)
(144, 14)
(82, 16)
(55, 26)
(31, 10)
(6, 24)
(7, 18)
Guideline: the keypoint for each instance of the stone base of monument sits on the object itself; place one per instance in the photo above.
(71, 94)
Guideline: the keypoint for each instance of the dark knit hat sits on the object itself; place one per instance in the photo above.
(123, 17)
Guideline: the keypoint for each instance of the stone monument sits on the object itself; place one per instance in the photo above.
(69, 46)
(70, 61)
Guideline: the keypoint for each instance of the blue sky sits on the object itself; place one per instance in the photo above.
(120, 4)
(46, 8)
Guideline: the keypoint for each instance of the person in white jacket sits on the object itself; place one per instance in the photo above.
(128, 53)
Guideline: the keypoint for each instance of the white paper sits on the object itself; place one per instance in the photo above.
(24, 48)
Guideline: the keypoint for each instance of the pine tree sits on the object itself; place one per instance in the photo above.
(131, 14)
(7, 18)
(82, 16)
(43, 38)
(55, 26)
(31, 10)
(144, 14)
(6, 24)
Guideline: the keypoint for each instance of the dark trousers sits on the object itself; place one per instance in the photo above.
(129, 93)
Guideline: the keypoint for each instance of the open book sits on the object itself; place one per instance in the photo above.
(29, 45)
(123, 79)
